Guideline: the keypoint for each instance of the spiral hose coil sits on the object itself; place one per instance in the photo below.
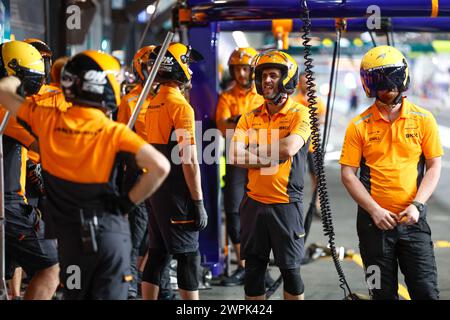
(318, 158)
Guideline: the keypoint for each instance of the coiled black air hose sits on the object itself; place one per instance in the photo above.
(318, 158)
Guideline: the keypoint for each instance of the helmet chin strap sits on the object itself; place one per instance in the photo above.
(394, 103)
(145, 74)
(278, 98)
(248, 85)
(398, 98)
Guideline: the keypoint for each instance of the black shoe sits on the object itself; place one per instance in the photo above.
(268, 280)
(236, 279)
(167, 295)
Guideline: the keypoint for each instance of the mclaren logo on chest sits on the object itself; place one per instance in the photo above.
(374, 136)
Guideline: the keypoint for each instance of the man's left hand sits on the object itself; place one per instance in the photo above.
(409, 216)
(201, 217)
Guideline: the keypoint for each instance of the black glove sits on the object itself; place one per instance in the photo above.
(200, 215)
(34, 179)
(125, 204)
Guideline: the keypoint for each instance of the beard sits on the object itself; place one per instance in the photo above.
(272, 93)
(270, 96)
(388, 98)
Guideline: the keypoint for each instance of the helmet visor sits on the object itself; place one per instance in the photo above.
(31, 80)
(385, 78)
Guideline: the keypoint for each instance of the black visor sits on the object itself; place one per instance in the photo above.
(385, 78)
(31, 80)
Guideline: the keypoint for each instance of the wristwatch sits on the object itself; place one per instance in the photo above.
(419, 205)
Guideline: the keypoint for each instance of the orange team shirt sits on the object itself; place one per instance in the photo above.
(55, 85)
(284, 184)
(391, 156)
(80, 152)
(235, 102)
(127, 106)
(169, 111)
(15, 144)
(51, 95)
(170, 123)
(321, 109)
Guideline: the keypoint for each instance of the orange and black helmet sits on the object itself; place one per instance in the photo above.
(241, 57)
(384, 68)
(45, 52)
(22, 60)
(175, 64)
(89, 78)
(141, 62)
(282, 61)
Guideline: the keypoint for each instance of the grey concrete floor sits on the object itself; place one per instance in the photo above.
(320, 277)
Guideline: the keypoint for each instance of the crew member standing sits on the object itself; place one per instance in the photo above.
(395, 146)
(138, 218)
(240, 99)
(177, 208)
(80, 150)
(272, 142)
(25, 245)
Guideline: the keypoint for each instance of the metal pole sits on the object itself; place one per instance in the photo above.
(331, 92)
(285, 9)
(47, 21)
(150, 79)
(372, 38)
(3, 290)
(420, 24)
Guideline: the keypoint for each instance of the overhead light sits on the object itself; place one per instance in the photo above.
(365, 36)
(104, 45)
(345, 43)
(324, 89)
(358, 42)
(240, 39)
(142, 17)
(350, 81)
(151, 9)
(327, 42)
